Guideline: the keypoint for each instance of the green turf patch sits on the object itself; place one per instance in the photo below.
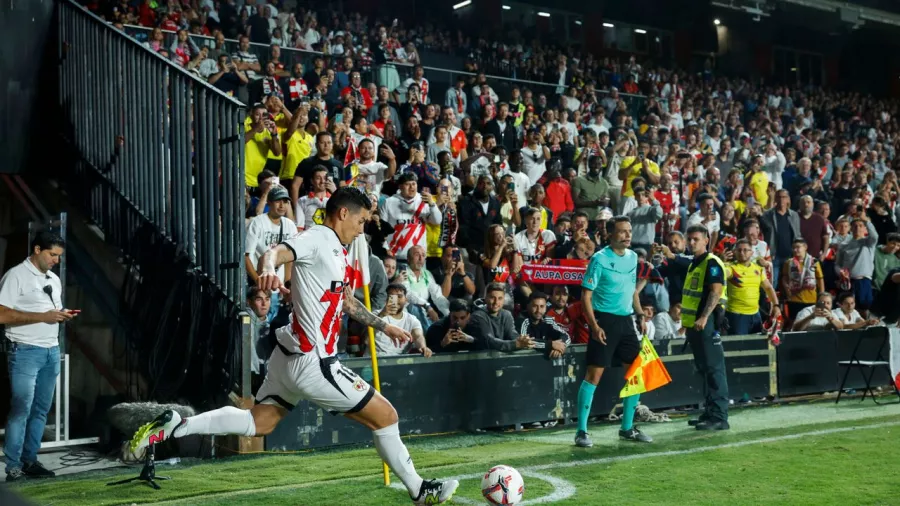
(353, 476)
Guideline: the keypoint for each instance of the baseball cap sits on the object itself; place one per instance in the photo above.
(278, 193)
(604, 213)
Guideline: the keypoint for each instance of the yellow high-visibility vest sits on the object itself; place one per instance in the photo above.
(693, 290)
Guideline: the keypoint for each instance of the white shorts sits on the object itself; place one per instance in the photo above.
(325, 382)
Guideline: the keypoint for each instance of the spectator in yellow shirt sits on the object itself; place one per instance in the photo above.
(744, 278)
(759, 181)
(801, 278)
(260, 140)
(637, 164)
(298, 144)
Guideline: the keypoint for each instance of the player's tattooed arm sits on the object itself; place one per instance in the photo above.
(356, 310)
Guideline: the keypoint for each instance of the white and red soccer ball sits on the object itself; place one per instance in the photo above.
(503, 485)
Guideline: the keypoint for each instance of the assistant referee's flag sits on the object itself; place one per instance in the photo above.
(646, 373)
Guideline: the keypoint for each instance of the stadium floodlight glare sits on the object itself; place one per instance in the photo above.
(640, 30)
(608, 25)
(544, 14)
(506, 7)
(462, 4)
(717, 22)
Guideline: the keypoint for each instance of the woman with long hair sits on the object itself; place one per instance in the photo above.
(499, 262)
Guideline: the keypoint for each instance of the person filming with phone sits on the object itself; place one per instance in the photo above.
(31, 309)
(394, 312)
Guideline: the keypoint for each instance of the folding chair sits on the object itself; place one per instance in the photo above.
(871, 365)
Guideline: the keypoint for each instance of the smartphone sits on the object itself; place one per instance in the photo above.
(511, 186)
(445, 190)
(496, 159)
(338, 118)
(820, 305)
(457, 256)
(393, 299)
(73, 311)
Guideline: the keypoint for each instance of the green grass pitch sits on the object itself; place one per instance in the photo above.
(812, 454)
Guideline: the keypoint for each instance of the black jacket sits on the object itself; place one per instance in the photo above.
(474, 222)
(543, 332)
(436, 333)
(508, 138)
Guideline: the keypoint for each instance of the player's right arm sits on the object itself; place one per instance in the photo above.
(292, 250)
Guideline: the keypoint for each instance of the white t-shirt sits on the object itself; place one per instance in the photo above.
(310, 210)
(696, 219)
(23, 289)
(522, 181)
(383, 344)
(533, 251)
(817, 323)
(263, 235)
(534, 169)
(854, 316)
(319, 275)
(371, 176)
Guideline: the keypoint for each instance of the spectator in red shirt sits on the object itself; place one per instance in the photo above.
(570, 316)
(356, 89)
(559, 195)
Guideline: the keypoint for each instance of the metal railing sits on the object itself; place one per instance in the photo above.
(440, 79)
(157, 145)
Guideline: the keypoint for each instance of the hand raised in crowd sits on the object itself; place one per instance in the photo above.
(330, 186)
(387, 152)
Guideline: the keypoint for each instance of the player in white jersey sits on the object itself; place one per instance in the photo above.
(304, 365)
(533, 244)
(310, 208)
(408, 212)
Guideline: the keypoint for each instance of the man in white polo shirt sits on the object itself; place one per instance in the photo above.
(31, 310)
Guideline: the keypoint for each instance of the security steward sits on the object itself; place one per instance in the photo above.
(703, 317)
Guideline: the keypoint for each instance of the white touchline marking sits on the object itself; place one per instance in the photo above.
(555, 465)
(562, 489)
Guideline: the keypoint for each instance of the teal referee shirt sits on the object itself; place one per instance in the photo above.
(613, 280)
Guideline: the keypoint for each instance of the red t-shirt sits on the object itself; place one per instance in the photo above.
(572, 318)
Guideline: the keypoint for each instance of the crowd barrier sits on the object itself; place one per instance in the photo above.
(468, 391)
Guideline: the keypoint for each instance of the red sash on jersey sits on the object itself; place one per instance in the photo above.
(459, 102)
(503, 275)
(458, 142)
(414, 232)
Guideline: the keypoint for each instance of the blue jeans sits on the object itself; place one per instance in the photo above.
(743, 324)
(777, 264)
(32, 378)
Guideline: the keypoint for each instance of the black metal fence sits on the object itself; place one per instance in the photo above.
(160, 147)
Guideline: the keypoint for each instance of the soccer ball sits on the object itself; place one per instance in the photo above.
(503, 485)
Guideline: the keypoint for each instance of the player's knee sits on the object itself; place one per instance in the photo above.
(593, 375)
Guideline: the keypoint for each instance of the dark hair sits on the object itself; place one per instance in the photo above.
(47, 240)
(396, 287)
(530, 211)
(350, 198)
(704, 197)
(611, 223)
(580, 214)
(457, 305)
(538, 295)
(253, 290)
(493, 287)
(265, 174)
(355, 120)
(323, 134)
(844, 296)
(698, 229)
(893, 236)
(318, 168)
(748, 223)
(366, 140)
(740, 242)
(799, 240)
(407, 177)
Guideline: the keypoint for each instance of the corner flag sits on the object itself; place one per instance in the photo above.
(646, 373)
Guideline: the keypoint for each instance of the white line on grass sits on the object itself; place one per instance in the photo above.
(562, 489)
(556, 465)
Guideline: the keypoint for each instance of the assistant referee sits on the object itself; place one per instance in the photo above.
(610, 289)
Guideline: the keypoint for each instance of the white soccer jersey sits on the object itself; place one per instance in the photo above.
(536, 250)
(408, 219)
(321, 271)
(310, 210)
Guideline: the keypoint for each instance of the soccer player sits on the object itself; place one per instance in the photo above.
(303, 365)
(610, 297)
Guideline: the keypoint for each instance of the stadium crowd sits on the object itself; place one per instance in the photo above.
(797, 185)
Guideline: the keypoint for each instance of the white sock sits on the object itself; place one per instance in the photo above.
(227, 420)
(393, 451)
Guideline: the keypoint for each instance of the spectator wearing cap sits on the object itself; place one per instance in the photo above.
(590, 192)
(267, 231)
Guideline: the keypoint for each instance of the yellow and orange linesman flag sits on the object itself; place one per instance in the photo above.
(646, 373)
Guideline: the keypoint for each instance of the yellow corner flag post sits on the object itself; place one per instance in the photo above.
(375, 379)
(646, 373)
